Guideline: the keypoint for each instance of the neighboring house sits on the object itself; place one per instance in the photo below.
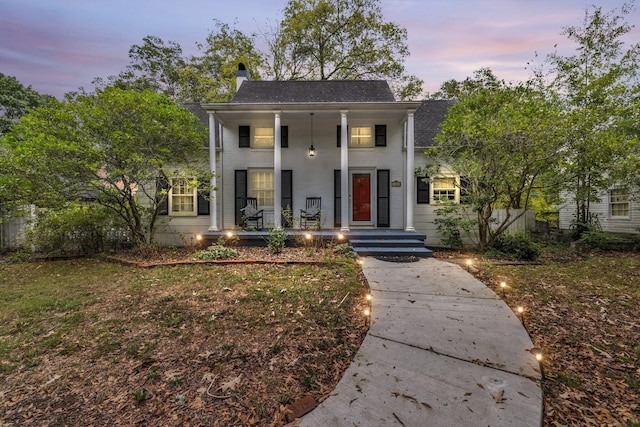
(618, 211)
(348, 142)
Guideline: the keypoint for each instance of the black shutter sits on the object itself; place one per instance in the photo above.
(337, 200)
(244, 136)
(465, 187)
(422, 190)
(203, 203)
(383, 198)
(162, 183)
(240, 194)
(381, 135)
(284, 136)
(287, 196)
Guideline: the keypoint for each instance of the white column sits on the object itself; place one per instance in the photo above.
(410, 172)
(277, 173)
(344, 172)
(213, 203)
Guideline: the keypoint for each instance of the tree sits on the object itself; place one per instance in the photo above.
(155, 65)
(15, 100)
(340, 40)
(501, 138)
(211, 76)
(161, 67)
(597, 84)
(109, 147)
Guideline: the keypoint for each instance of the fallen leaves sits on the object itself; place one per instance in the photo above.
(190, 345)
(583, 312)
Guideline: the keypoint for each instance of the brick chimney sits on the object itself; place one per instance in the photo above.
(241, 75)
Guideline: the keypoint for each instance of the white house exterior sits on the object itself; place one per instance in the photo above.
(366, 148)
(618, 211)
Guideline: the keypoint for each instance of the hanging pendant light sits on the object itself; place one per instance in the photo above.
(312, 150)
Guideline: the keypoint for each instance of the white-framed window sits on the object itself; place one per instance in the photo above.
(183, 197)
(444, 189)
(261, 186)
(263, 138)
(619, 205)
(361, 136)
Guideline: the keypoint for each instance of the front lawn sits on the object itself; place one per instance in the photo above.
(90, 342)
(584, 312)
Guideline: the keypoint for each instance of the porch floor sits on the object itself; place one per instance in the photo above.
(366, 242)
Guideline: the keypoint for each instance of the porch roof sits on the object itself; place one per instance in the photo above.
(293, 91)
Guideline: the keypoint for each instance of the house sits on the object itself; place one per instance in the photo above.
(617, 211)
(348, 143)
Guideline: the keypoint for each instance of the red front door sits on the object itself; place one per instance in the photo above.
(361, 196)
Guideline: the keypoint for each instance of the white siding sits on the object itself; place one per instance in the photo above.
(600, 209)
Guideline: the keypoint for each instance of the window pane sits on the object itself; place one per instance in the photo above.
(182, 196)
(361, 137)
(619, 202)
(262, 187)
(263, 137)
(444, 189)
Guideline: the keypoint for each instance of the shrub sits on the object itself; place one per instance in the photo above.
(515, 246)
(277, 239)
(345, 250)
(77, 229)
(451, 221)
(595, 239)
(216, 252)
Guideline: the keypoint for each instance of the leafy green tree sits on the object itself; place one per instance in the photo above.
(210, 76)
(109, 147)
(341, 40)
(499, 137)
(599, 85)
(155, 65)
(15, 100)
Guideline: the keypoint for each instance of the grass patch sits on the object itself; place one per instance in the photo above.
(114, 334)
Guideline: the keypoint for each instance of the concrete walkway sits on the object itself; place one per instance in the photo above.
(442, 350)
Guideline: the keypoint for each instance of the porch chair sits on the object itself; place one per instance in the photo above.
(251, 214)
(311, 213)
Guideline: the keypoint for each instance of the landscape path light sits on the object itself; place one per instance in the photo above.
(539, 355)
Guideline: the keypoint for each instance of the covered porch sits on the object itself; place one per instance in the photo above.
(360, 185)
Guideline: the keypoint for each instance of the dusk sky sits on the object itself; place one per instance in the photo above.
(57, 46)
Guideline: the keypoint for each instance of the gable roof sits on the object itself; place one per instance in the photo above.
(293, 91)
(427, 119)
(197, 110)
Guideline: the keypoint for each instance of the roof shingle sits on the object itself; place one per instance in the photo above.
(427, 121)
(292, 91)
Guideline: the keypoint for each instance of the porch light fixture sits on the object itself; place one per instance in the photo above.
(312, 150)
